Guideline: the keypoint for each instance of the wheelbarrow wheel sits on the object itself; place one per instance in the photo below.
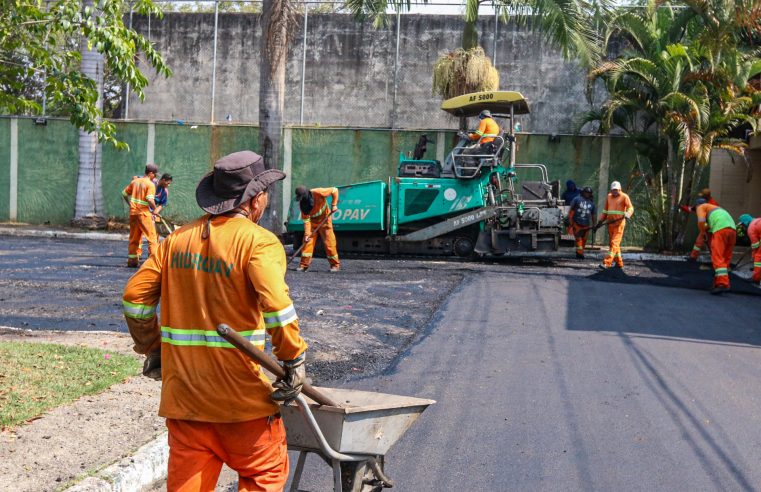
(358, 476)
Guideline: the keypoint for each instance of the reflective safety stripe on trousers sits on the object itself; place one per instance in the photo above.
(721, 271)
(206, 338)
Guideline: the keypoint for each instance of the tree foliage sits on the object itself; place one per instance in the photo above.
(39, 42)
(679, 89)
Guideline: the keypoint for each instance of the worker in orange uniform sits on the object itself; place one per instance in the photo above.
(582, 217)
(618, 209)
(701, 240)
(753, 231)
(722, 235)
(221, 268)
(139, 195)
(483, 137)
(314, 210)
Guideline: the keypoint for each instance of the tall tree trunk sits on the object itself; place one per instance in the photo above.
(89, 210)
(277, 24)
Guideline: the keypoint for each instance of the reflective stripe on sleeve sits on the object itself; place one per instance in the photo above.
(695, 248)
(150, 197)
(206, 338)
(757, 264)
(138, 311)
(756, 245)
(280, 318)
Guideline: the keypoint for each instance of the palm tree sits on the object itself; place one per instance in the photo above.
(677, 92)
(278, 25)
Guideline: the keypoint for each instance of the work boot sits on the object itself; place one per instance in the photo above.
(301, 268)
(335, 269)
(133, 263)
(719, 289)
(604, 266)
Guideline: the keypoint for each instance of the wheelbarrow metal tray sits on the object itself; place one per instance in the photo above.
(369, 423)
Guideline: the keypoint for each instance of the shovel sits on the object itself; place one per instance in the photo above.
(309, 237)
(269, 363)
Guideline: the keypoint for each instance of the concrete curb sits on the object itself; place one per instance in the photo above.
(134, 473)
(53, 233)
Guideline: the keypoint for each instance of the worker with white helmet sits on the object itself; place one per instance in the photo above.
(618, 209)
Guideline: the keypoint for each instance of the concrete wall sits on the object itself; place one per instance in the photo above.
(350, 72)
(735, 182)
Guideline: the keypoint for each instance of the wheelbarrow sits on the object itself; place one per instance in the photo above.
(351, 430)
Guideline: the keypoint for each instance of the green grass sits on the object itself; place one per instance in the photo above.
(37, 377)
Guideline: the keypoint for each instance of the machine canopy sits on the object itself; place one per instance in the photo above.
(495, 101)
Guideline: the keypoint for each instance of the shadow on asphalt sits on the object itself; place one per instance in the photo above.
(673, 274)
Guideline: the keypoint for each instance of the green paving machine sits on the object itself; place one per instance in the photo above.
(473, 204)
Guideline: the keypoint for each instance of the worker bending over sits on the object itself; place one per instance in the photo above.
(752, 229)
(582, 215)
(139, 195)
(618, 209)
(221, 268)
(317, 216)
(722, 235)
(701, 240)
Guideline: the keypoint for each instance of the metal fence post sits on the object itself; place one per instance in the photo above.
(126, 93)
(396, 71)
(214, 59)
(496, 30)
(304, 61)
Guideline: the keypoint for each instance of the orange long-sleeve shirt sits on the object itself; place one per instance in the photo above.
(488, 129)
(617, 206)
(140, 192)
(235, 276)
(320, 206)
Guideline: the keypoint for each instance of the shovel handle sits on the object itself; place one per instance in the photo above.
(269, 363)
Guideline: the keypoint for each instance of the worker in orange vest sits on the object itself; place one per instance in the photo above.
(701, 240)
(722, 235)
(221, 268)
(139, 195)
(618, 209)
(752, 229)
(314, 210)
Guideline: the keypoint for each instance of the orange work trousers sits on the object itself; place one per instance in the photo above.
(757, 265)
(139, 226)
(615, 233)
(722, 247)
(256, 449)
(580, 234)
(328, 241)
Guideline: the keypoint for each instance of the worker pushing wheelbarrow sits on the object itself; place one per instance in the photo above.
(352, 436)
(220, 407)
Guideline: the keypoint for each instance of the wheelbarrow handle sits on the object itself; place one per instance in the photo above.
(269, 363)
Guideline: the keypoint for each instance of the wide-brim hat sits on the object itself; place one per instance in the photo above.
(235, 178)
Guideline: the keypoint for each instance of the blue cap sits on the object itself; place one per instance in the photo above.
(746, 219)
(700, 201)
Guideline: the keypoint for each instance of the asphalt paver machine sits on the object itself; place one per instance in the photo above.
(471, 204)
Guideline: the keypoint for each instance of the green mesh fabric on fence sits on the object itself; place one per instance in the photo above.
(319, 157)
